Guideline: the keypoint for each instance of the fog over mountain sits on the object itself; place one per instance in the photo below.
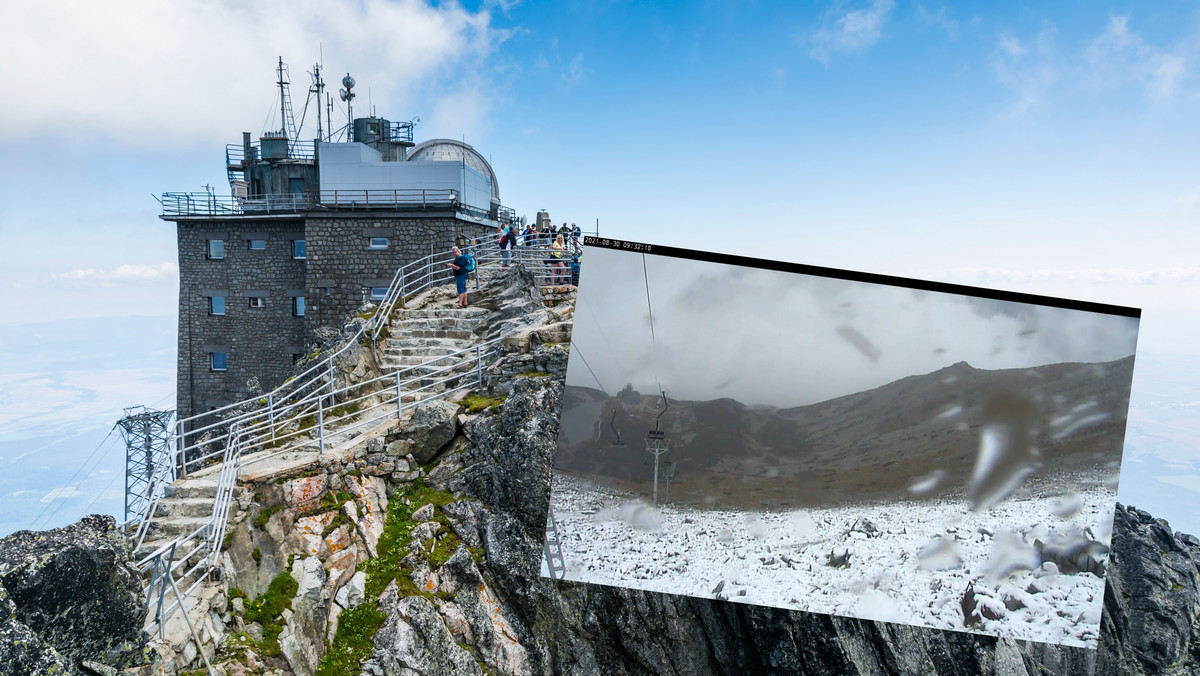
(867, 446)
(784, 339)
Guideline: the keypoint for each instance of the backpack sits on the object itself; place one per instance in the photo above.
(470, 262)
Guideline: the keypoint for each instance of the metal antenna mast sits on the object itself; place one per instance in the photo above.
(288, 123)
(147, 436)
(348, 95)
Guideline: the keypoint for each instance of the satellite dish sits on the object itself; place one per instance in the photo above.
(342, 94)
(348, 82)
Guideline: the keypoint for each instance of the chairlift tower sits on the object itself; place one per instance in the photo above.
(657, 444)
(147, 436)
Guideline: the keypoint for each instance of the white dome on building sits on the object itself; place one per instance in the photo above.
(450, 150)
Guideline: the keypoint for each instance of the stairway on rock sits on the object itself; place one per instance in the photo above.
(422, 340)
(186, 506)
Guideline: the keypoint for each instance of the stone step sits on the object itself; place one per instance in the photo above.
(193, 488)
(430, 313)
(426, 353)
(150, 546)
(463, 324)
(454, 344)
(434, 360)
(460, 334)
(166, 529)
(425, 374)
(183, 507)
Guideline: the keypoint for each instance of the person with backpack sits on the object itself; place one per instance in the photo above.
(506, 244)
(462, 266)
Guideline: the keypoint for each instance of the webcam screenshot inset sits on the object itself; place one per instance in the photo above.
(840, 442)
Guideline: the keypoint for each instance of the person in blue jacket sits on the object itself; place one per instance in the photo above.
(459, 266)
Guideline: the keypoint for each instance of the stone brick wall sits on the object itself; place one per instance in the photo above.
(255, 339)
(260, 341)
(339, 253)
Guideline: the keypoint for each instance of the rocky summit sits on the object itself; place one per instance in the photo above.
(417, 549)
(70, 599)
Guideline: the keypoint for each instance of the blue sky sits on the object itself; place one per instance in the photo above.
(1045, 148)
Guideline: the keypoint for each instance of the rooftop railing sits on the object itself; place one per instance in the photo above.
(208, 204)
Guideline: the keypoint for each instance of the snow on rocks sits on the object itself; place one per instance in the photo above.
(934, 564)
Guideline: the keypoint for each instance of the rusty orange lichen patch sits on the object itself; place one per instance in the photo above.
(310, 528)
(305, 491)
(339, 539)
(429, 585)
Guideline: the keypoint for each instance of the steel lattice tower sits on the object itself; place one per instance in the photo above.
(147, 436)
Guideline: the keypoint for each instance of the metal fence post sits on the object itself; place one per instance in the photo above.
(320, 425)
(271, 414)
(330, 372)
(478, 365)
(399, 398)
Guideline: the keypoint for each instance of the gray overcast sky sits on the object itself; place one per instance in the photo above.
(784, 339)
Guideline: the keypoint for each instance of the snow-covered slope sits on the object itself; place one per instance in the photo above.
(908, 562)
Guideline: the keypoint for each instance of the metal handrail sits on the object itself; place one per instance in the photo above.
(321, 372)
(291, 398)
(210, 204)
(255, 429)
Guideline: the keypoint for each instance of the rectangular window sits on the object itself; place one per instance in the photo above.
(298, 306)
(216, 249)
(257, 301)
(379, 242)
(258, 244)
(216, 305)
(295, 357)
(378, 293)
(219, 360)
(298, 249)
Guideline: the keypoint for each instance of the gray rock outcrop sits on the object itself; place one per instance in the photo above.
(416, 642)
(433, 426)
(68, 595)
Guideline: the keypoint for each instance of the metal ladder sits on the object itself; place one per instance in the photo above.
(553, 548)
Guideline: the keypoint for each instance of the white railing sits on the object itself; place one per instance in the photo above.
(281, 422)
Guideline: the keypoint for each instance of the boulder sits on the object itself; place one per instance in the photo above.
(70, 594)
(432, 426)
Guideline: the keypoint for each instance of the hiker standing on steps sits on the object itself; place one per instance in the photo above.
(506, 236)
(459, 266)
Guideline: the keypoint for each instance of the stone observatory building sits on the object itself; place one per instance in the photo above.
(310, 230)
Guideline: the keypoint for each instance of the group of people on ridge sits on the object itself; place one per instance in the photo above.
(554, 242)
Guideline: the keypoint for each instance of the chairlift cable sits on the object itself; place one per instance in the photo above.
(650, 309)
(35, 520)
(575, 349)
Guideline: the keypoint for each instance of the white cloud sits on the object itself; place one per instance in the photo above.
(1120, 56)
(575, 71)
(939, 19)
(851, 31)
(148, 72)
(1026, 68)
(153, 272)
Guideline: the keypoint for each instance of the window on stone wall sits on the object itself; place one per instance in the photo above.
(216, 249)
(298, 306)
(257, 244)
(257, 301)
(379, 242)
(216, 305)
(299, 250)
(219, 360)
(296, 357)
(378, 293)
